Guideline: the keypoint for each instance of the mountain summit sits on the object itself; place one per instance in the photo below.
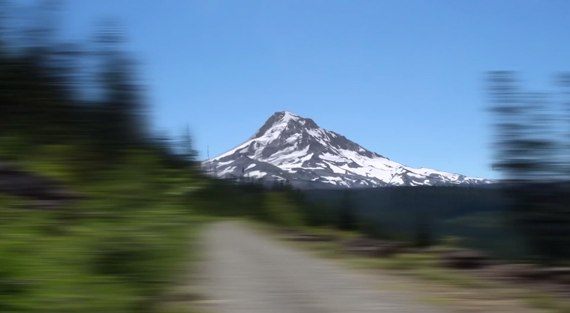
(293, 148)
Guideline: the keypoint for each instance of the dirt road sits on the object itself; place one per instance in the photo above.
(247, 272)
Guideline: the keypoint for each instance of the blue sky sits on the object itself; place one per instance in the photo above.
(402, 78)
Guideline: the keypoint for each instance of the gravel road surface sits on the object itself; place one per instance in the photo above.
(247, 272)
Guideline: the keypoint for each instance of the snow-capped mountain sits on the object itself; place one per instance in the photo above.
(289, 147)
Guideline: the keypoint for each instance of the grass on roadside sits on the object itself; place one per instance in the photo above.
(184, 295)
(332, 232)
(546, 302)
(425, 266)
(452, 278)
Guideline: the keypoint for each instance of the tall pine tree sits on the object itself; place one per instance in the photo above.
(532, 160)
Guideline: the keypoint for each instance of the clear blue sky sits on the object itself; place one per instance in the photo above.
(402, 78)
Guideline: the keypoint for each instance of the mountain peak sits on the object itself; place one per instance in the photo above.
(295, 148)
(283, 120)
(287, 115)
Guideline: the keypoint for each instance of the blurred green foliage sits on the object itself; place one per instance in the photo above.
(125, 244)
(424, 216)
(282, 211)
(117, 250)
(531, 153)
